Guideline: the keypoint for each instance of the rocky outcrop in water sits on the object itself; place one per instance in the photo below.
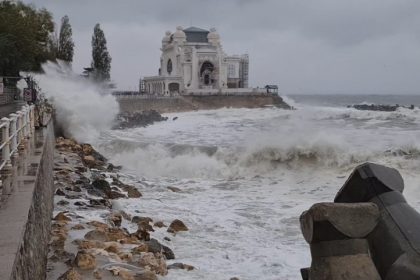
(138, 119)
(90, 238)
(378, 107)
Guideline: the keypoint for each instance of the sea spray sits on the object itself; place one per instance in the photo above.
(82, 108)
(246, 175)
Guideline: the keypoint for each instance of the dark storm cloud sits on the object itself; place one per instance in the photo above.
(305, 46)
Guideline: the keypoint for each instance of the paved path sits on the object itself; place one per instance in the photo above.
(7, 109)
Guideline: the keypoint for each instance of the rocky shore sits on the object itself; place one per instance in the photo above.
(91, 236)
(138, 119)
(378, 107)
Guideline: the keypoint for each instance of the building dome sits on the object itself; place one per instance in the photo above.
(213, 36)
(179, 34)
(167, 38)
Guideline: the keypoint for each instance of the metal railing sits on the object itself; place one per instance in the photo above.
(14, 129)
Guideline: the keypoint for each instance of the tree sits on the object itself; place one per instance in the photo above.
(101, 60)
(25, 34)
(65, 41)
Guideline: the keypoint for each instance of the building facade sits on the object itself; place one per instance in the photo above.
(193, 60)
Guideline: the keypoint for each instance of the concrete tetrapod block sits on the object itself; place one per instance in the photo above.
(369, 180)
(395, 242)
(336, 232)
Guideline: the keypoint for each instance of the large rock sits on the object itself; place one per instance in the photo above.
(98, 235)
(146, 275)
(176, 226)
(142, 248)
(181, 266)
(89, 161)
(174, 189)
(100, 203)
(102, 185)
(159, 224)
(141, 220)
(87, 149)
(379, 107)
(88, 244)
(85, 260)
(112, 247)
(70, 274)
(132, 191)
(115, 195)
(61, 255)
(98, 225)
(65, 144)
(154, 246)
(128, 120)
(116, 234)
(62, 217)
(116, 219)
(153, 262)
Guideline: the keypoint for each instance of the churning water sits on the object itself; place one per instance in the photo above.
(245, 174)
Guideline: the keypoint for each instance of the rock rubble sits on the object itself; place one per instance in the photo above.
(89, 239)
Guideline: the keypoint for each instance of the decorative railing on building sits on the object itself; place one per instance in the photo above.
(14, 130)
(198, 92)
(229, 92)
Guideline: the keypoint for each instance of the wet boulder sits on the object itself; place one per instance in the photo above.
(176, 226)
(85, 260)
(70, 274)
(102, 185)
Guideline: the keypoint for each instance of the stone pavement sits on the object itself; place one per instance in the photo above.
(7, 109)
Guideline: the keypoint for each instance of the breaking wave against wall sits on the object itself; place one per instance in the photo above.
(83, 109)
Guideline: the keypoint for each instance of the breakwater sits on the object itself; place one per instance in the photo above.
(135, 103)
(369, 232)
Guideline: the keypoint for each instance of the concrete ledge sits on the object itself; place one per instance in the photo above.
(205, 102)
(25, 215)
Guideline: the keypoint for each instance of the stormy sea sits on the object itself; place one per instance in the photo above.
(240, 178)
(245, 176)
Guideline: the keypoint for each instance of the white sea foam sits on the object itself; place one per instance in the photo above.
(81, 107)
(247, 175)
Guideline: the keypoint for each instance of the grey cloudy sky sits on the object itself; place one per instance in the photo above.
(304, 46)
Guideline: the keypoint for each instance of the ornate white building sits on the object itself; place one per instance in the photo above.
(192, 61)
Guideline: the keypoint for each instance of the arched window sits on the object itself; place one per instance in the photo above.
(169, 67)
(206, 66)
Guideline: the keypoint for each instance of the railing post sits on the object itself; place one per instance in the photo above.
(27, 123)
(32, 118)
(5, 152)
(13, 121)
(26, 118)
(23, 122)
(18, 126)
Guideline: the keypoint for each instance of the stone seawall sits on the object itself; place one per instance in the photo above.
(25, 216)
(196, 102)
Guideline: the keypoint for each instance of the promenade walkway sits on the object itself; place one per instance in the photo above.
(10, 108)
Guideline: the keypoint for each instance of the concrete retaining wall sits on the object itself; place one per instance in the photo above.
(191, 103)
(25, 217)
